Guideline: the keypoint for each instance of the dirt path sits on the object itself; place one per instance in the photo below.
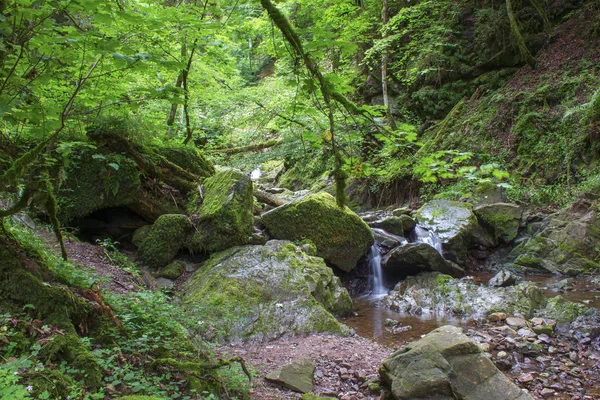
(344, 366)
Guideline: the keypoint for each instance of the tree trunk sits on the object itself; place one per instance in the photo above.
(384, 64)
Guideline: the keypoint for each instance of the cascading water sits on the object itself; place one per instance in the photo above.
(375, 284)
(255, 174)
(422, 235)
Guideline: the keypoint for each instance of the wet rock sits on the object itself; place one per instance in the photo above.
(501, 219)
(502, 279)
(454, 223)
(446, 364)
(297, 375)
(265, 292)
(340, 236)
(433, 293)
(401, 211)
(413, 258)
(566, 243)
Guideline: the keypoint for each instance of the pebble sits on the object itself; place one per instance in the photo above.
(495, 317)
(526, 332)
(516, 322)
(501, 354)
(547, 392)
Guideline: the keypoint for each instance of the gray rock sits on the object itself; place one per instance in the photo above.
(516, 322)
(413, 258)
(297, 375)
(503, 279)
(453, 222)
(437, 294)
(445, 364)
(265, 292)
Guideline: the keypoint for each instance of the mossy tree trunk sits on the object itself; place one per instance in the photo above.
(516, 32)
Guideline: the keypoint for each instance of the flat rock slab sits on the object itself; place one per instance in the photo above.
(517, 322)
(445, 364)
(297, 375)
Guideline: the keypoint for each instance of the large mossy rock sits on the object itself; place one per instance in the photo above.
(189, 159)
(453, 222)
(341, 237)
(93, 181)
(567, 244)
(225, 216)
(501, 219)
(264, 292)
(446, 364)
(163, 240)
(413, 258)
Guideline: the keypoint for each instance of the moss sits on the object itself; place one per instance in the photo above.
(54, 382)
(225, 216)
(164, 239)
(341, 237)
(139, 235)
(173, 270)
(93, 180)
(188, 158)
(501, 218)
(562, 311)
(263, 292)
(70, 348)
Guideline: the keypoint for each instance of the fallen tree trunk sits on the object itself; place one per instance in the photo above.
(268, 198)
(246, 149)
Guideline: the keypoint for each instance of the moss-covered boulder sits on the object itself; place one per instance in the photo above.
(270, 172)
(453, 222)
(264, 292)
(225, 215)
(139, 235)
(163, 240)
(446, 364)
(341, 237)
(188, 158)
(93, 180)
(397, 225)
(568, 243)
(501, 219)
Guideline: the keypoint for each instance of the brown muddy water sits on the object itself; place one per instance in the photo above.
(368, 319)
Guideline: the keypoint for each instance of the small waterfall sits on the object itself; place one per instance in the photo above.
(255, 174)
(375, 284)
(422, 235)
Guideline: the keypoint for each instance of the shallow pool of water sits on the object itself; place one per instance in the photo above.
(369, 318)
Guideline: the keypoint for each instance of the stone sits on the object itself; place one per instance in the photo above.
(453, 222)
(526, 333)
(225, 215)
(497, 317)
(413, 258)
(270, 172)
(516, 322)
(401, 211)
(139, 235)
(566, 243)
(543, 330)
(446, 364)
(501, 219)
(546, 392)
(502, 279)
(439, 294)
(297, 375)
(340, 236)
(163, 240)
(265, 292)
(501, 354)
